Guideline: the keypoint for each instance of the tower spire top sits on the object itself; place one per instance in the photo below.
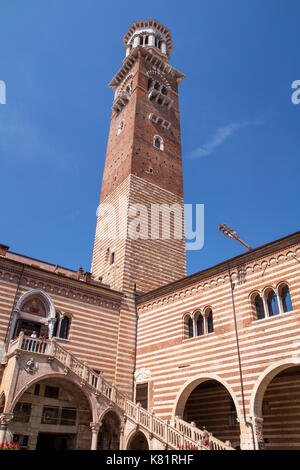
(148, 34)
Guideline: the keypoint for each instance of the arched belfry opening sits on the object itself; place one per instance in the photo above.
(109, 433)
(279, 405)
(138, 442)
(209, 404)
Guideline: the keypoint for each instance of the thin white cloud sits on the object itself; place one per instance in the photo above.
(222, 134)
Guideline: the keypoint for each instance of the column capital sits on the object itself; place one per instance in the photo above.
(5, 419)
(95, 427)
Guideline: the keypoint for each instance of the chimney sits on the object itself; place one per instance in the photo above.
(3, 249)
(79, 273)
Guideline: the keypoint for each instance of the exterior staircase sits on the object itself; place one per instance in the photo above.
(180, 435)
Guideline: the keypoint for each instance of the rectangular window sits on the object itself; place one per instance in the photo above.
(68, 417)
(51, 392)
(22, 412)
(112, 258)
(50, 415)
(142, 395)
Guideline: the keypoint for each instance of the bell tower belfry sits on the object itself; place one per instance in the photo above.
(143, 169)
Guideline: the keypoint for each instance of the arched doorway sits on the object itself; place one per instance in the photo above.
(52, 414)
(280, 407)
(109, 434)
(138, 442)
(208, 403)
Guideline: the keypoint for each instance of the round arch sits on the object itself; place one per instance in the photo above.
(53, 376)
(111, 409)
(264, 380)
(135, 434)
(190, 385)
(109, 432)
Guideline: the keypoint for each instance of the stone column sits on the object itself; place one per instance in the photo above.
(265, 305)
(136, 41)
(5, 419)
(121, 433)
(128, 49)
(164, 47)
(151, 40)
(251, 434)
(95, 431)
(258, 432)
(13, 324)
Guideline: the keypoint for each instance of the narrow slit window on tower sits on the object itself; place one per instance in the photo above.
(112, 257)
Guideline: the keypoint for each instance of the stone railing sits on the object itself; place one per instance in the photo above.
(190, 430)
(180, 436)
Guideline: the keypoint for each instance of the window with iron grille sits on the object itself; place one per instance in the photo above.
(68, 417)
(22, 412)
(50, 415)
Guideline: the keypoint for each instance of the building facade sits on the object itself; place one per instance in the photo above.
(135, 354)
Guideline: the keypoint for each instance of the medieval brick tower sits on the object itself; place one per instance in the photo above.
(143, 168)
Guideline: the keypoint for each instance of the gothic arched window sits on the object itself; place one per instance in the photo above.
(210, 322)
(150, 83)
(64, 327)
(188, 326)
(259, 307)
(191, 327)
(286, 300)
(272, 303)
(158, 142)
(121, 127)
(56, 324)
(200, 325)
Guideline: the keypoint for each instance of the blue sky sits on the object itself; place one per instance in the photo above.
(240, 130)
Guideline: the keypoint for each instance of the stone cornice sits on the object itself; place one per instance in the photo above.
(131, 59)
(60, 285)
(259, 258)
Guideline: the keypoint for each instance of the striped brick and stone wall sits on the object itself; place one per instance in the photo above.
(178, 364)
(94, 309)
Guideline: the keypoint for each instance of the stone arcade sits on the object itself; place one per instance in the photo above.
(135, 355)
